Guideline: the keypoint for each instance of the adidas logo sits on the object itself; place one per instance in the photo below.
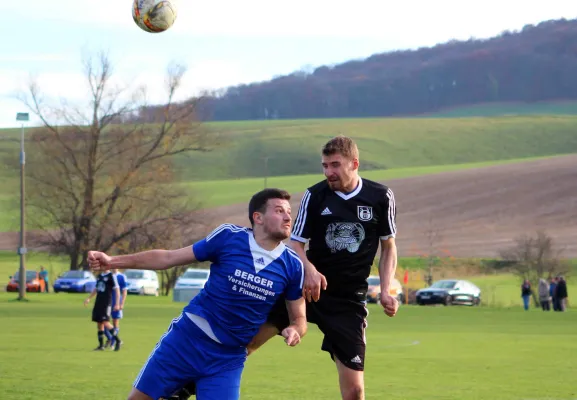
(326, 211)
(259, 260)
(356, 359)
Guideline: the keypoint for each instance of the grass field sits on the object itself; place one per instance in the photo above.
(423, 353)
(508, 109)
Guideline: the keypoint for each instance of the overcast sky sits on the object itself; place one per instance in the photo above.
(226, 42)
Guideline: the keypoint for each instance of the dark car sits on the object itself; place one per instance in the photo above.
(449, 292)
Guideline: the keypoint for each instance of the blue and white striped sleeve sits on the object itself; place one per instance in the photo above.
(208, 248)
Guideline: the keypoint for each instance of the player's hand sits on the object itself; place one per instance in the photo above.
(117, 308)
(86, 302)
(291, 336)
(314, 282)
(390, 304)
(98, 261)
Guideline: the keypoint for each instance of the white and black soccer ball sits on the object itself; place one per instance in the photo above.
(154, 16)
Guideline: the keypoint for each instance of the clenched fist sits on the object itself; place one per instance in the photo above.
(99, 261)
(291, 336)
(390, 304)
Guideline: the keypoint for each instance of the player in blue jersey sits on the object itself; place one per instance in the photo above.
(118, 314)
(250, 269)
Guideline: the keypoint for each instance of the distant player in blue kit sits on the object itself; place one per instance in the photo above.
(118, 314)
(250, 270)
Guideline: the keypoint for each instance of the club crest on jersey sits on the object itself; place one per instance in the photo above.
(365, 213)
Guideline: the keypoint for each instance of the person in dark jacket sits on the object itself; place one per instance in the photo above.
(526, 292)
(553, 293)
(562, 293)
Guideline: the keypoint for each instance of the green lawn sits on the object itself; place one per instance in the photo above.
(512, 108)
(423, 353)
(231, 191)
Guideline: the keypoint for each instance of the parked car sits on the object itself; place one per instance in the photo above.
(75, 281)
(142, 281)
(449, 292)
(193, 278)
(374, 291)
(33, 282)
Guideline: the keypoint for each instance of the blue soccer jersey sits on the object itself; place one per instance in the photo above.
(122, 285)
(244, 283)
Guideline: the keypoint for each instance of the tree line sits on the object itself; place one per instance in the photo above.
(537, 63)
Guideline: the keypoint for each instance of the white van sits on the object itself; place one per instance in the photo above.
(142, 281)
(193, 278)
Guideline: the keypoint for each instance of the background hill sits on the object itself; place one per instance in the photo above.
(532, 65)
(292, 146)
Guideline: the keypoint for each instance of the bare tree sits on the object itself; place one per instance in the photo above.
(432, 258)
(535, 257)
(97, 182)
(166, 235)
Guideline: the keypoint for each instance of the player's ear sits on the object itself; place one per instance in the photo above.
(257, 218)
(355, 163)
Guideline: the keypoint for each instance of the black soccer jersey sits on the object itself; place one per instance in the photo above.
(105, 285)
(343, 231)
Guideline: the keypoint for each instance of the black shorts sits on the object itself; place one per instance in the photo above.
(342, 321)
(101, 313)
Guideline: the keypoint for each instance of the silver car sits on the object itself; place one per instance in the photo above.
(449, 292)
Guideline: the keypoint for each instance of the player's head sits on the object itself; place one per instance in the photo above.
(340, 159)
(269, 211)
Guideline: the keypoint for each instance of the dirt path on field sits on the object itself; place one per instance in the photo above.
(475, 213)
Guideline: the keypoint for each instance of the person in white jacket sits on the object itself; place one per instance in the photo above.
(544, 297)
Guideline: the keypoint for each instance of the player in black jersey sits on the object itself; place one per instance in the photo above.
(106, 285)
(343, 219)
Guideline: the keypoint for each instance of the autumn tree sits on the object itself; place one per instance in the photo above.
(98, 177)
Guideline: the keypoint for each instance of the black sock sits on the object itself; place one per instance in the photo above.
(101, 338)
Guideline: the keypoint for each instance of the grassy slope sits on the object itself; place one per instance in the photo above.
(293, 146)
(385, 143)
(511, 108)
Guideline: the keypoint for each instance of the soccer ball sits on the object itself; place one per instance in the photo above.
(154, 15)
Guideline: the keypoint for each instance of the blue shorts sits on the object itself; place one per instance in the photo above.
(116, 314)
(184, 354)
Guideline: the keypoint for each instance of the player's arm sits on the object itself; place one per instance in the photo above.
(154, 259)
(388, 259)
(150, 259)
(314, 281)
(387, 263)
(116, 289)
(124, 295)
(298, 321)
(90, 296)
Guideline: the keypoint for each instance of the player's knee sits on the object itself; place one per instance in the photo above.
(354, 392)
(136, 394)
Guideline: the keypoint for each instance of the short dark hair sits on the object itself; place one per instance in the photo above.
(342, 145)
(258, 201)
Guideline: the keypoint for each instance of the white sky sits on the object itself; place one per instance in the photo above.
(227, 42)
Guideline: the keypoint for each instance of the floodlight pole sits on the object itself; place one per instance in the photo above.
(22, 249)
(266, 170)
